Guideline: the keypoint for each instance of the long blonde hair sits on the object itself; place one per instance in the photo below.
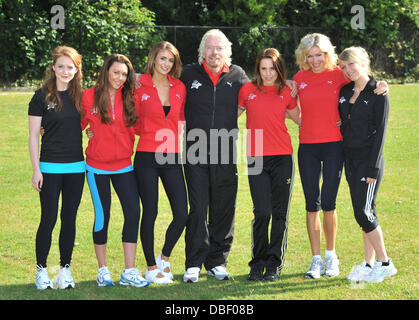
(49, 88)
(316, 40)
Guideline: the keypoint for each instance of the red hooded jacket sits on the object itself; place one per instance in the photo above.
(112, 145)
(152, 119)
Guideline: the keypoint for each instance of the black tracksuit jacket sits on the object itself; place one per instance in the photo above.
(364, 124)
(208, 107)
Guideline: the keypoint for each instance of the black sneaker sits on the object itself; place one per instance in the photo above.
(256, 274)
(272, 274)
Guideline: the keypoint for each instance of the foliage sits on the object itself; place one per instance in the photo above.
(94, 28)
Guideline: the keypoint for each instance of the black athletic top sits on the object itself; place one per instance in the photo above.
(364, 124)
(62, 140)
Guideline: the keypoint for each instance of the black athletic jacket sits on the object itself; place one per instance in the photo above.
(364, 124)
(208, 107)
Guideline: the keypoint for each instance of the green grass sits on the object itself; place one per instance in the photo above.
(397, 211)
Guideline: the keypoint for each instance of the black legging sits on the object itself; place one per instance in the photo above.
(174, 185)
(70, 185)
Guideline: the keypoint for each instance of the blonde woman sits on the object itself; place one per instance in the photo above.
(320, 153)
(59, 169)
(364, 120)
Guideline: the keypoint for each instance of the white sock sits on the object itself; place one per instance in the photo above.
(317, 257)
(330, 254)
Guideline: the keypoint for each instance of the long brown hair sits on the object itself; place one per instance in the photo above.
(49, 87)
(152, 55)
(102, 86)
(279, 65)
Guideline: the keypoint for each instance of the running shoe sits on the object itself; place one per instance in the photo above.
(219, 273)
(316, 269)
(360, 272)
(192, 275)
(132, 277)
(42, 279)
(151, 275)
(104, 277)
(64, 279)
(380, 272)
(332, 266)
(164, 265)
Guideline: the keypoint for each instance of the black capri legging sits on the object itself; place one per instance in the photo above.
(125, 187)
(316, 160)
(70, 185)
(174, 185)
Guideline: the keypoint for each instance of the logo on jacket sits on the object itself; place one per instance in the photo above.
(251, 96)
(196, 84)
(330, 81)
(366, 101)
(342, 100)
(303, 85)
(95, 110)
(178, 96)
(144, 97)
(229, 83)
(52, 106)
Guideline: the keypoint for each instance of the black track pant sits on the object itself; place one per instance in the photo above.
(271, 194)
(70, 185)
(174, 185)
(212, 191)
(363, 194)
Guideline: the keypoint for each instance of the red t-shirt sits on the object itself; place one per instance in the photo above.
(266, 110)
(319, 97)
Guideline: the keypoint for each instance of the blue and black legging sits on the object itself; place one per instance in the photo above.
(125, 186)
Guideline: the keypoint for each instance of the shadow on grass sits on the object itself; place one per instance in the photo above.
(208, 288)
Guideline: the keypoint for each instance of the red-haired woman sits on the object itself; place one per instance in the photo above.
(60, 168)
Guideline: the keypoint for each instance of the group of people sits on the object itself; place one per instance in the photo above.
(340, 109)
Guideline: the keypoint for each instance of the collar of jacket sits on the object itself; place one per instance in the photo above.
(372, 84)
(147, 81)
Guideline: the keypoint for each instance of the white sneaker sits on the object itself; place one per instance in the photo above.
(332, 266)
(64, 278)
(132, 277)
(192, 274)
(316, 269)
(162, 265)
(219, 273)
(42, 279)
(380, 272)
(151, 275)
(104, 277)
(360, 272)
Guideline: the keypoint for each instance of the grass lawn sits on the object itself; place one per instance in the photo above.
(397, 204)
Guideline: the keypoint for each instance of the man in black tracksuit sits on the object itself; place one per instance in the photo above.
(210, 168)
(363, 129)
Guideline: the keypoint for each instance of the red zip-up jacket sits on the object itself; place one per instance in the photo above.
(152, 119)
(112, 145)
